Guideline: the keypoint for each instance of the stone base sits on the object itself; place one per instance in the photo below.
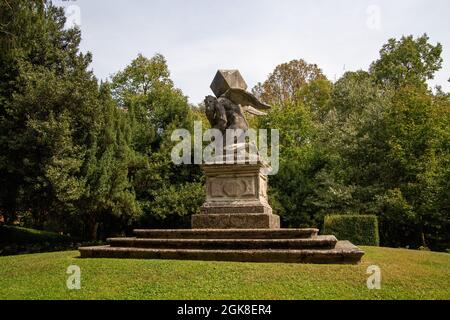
(235, 208)
(226, 233)
(246, 245)
(343, 253)
(235, 221)
(236, 198)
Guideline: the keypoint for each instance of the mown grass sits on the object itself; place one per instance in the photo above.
(406, 274)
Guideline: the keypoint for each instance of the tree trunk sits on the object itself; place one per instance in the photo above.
(422, 236)
(424, 243)
(92, 228)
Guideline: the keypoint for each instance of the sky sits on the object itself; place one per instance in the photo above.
(198, 37)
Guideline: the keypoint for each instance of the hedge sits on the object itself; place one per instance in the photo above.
(18, 240)
(358, 229)
(19, 235)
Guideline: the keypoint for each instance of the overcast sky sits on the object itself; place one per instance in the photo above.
(197, 37)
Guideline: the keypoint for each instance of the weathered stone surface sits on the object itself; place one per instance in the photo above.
(252, 245)
(225, 80)
(228, 183)
(226, 233)
(226, 109)
(235, 208)
(235, 221)
(236, 198)
(343, 253)
(320, 242)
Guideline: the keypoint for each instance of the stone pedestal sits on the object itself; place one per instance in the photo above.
(236, 198)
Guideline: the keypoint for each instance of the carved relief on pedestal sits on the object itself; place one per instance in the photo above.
(229, 187)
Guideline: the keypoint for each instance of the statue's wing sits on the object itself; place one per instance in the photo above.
(244, 98)
(254, 111)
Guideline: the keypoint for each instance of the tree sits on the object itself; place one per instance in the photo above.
(39, 109)
(109, 193)
(65, 147)
(374, 142)
(316, 95)
(418, 162)
(354, 92)
(284, 83)
(139, 78)
(299, 162)
(407, 61)
(155, 108)
(389, 153)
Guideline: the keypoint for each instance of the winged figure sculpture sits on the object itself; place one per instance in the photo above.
(226, 110)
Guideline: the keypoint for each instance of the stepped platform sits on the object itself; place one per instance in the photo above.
(226, 233)
(245, 245)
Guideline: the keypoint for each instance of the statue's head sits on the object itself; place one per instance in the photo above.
(210, 101)
(210, 109)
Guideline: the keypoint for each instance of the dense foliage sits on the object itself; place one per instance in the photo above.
(19, 235)
(93, 159)
(359, 229)
(373, 142)
(19, 240)
(80, 157)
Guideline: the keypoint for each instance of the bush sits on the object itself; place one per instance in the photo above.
(358, 229)
(18, 240)
(19, 235)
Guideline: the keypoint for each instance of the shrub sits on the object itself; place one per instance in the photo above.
(359, 229)
(19, 235)
(18, 240)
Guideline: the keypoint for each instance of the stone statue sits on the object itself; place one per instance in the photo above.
(226, 110)
(236, 191)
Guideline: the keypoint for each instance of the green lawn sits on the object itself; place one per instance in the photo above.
(406, 274)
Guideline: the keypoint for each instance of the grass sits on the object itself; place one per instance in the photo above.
(406, 274)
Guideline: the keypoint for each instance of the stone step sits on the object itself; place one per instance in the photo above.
(343, 253)
(226, 233)
(317, 242)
